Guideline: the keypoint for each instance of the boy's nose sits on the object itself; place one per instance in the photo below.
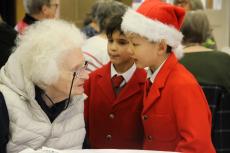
(131, 50)
(113, 47)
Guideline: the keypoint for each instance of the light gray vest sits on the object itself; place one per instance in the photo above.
(31, 128)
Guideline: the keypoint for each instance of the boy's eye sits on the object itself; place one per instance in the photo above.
(123, 42)
(110, 40)
(135, 44)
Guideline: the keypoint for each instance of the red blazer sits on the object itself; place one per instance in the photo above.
(176, 115)
(114, 122)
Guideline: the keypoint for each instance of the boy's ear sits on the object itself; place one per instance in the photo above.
(162, 47)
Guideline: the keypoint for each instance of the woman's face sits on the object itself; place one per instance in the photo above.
(70, 63)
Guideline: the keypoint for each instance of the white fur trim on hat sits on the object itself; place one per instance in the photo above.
(153, 30)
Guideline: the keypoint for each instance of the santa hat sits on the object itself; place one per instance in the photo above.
(156, 21)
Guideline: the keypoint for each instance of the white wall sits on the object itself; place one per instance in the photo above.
(220, 23)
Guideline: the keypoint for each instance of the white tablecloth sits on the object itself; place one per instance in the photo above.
(49, 150)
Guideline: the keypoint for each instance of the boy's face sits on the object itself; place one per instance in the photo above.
(118, 46)
(144, 52)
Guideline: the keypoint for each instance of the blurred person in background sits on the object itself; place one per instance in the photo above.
(7, 41)
(91, 27)
(41, 89)
(209, 66)
(191, 5)
(37, 10)
(95, 48)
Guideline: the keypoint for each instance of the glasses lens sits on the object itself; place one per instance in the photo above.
(80, 71)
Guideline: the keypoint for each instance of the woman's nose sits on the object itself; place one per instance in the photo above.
(85, 74)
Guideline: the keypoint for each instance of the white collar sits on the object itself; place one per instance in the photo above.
(152, 75)
(126, 75)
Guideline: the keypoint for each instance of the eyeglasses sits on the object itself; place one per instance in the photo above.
(77, 74)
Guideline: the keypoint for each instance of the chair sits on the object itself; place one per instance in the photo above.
(219, 102)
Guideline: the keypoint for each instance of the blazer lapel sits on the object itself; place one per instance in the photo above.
(154, 93)
(105, 84)
(159, 82)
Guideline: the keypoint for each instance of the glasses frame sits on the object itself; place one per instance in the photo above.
(77, 75)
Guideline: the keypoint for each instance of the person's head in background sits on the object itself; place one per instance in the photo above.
(41, 9)
(118, 45)
(90, 26)
(196, 30)
(105, 10)
(189, 5)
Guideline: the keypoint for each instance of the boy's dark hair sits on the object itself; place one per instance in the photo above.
(114, 25)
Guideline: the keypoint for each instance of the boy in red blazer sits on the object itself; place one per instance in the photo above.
(113, 112)
(176, 115)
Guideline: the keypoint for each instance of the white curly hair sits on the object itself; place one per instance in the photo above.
(40, 48)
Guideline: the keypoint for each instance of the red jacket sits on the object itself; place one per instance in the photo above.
(176, 115)
(114, 122)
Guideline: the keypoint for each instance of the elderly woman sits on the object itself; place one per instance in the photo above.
(41, 90)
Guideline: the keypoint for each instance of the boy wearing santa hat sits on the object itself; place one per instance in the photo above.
(176, 115)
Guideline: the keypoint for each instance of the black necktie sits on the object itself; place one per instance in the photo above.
(148, 86)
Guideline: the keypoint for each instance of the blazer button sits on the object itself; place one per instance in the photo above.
(108, 137)
(111, 116)
(145, 117)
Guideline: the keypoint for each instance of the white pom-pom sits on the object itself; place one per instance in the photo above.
(178, 51)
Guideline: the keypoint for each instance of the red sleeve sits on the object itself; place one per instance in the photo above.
(193, 119)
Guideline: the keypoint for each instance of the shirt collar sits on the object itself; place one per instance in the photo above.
(127, 75)
(152, 75)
